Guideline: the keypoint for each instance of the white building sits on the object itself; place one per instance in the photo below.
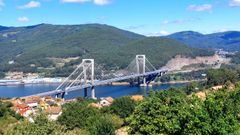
(106, 101)
(54, 112)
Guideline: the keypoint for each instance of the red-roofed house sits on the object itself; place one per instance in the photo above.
(22, 108)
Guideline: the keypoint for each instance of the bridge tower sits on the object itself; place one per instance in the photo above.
(141, 67)
(88, 70)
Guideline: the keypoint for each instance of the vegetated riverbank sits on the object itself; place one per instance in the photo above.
(179, 81)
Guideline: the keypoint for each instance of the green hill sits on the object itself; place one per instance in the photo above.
(110, 47)
(228, 40)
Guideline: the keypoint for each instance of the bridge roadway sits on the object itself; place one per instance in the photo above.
(98, 83)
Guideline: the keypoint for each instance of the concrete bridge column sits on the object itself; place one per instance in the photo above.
(144, 81)
(93, 93)
(85, 92)
(62, 95)
(89, 66)
(141, 67)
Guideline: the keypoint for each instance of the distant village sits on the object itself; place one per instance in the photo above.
(20, 78)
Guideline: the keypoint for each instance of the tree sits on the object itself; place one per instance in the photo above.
(161, 113)
(198, 120)
(192, 87)
(41, 126)
(2, 74)
(170, 112)
(5, 110)
(102, 126)
(222, 110)
(221, 76)
(78, 115)
(123, 106)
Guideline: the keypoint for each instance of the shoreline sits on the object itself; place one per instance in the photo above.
(182, 81)
(157, 83)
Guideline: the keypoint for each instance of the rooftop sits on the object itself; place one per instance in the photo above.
(53, 110)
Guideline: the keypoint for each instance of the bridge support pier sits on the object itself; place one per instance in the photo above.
(144, 82)
(85, 92)
(93, 93)
(62, 95)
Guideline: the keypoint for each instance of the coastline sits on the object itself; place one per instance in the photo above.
(180, 81)
(158, 83)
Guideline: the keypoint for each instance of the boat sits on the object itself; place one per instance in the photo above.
(3, 84)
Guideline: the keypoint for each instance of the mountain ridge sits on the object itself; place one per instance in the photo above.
(229, 40)
(30, 47)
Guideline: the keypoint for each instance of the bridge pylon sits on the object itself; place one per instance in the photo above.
(88, 71)
(141, 67)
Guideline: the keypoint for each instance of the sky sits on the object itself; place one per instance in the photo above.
(147, 17)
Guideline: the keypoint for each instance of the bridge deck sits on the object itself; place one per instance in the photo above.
(98, 83)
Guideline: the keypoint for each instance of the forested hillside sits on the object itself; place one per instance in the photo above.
(28, 48)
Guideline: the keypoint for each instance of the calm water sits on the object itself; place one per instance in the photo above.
(101, 91)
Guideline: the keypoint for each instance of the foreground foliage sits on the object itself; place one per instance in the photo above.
(123, 107)
(7, 116)
(41, 126)
(81, 115)
(173, 112)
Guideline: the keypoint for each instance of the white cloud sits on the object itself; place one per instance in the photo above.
(165, 22)
(75, 1)
(220, 30)
(156, 34)
(234, 3)
(101, 2)
(199, 8)
(23, 19)
(97, 2)
(31, 4)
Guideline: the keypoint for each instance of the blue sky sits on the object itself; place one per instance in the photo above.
(148, 17)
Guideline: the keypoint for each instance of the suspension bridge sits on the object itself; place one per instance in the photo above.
(83, 77)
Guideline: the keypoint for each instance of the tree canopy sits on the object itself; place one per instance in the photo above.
(173, 112)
